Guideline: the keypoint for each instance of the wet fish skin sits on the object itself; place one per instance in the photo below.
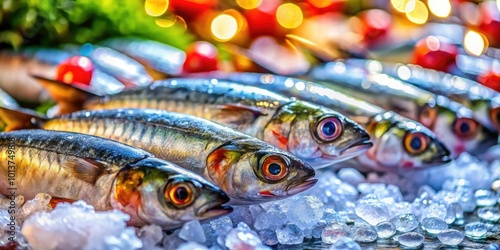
(107, 175)
(446, 118)
(367, 114)
(295, 126)
(484, 101)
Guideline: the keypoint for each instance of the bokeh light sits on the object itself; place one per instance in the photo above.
(416, 12)
(475, 43)
(249, 4)
(440, 8)
(399, 5)
(322, 3)
(156, 7)
(289, 15)
(164, 23)
(224, 27)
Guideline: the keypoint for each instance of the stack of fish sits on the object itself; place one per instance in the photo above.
(187, 148)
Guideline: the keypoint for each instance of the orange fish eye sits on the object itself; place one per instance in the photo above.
(180, 194)
(465, 128)
(428, 116)
(329, 129)
(495, 117)
(416, 143)
(274, 168)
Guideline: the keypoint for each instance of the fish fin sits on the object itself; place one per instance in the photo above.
(20, 119)
(86, 169)
(238, 114)
(69, 97)
(56, 200)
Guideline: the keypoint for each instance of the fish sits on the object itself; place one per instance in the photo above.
(452, 122)
(160, 60)
(319, 136)
(248, 170)
(483, 101)
(108, 175)
(400, 144)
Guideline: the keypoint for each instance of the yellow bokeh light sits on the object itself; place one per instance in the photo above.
(321, 3)
(289, 15)
(224, 27)
(474, 43)
(440, 8)
(416, 12)
(249, 4)
(399, 5)
(156, 7)
(164, 23)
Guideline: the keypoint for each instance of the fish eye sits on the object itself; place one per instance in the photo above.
(329, 129)
(180, 193)
(428, 116)
(274, 168)
(465, 128)
(416, 143)
(495, 116)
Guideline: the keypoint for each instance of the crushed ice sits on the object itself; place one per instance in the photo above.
(343, 210)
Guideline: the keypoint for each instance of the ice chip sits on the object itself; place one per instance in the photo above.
(410, 239)
(385, 229)
(172, 241)
(150, 235)
(38, 204)
(192, 231)
(306, 212)
(491, 214)
(242, 238)
(290, 234)
(268, 237)
(405, 222)
(271, 221)
(372, 210)
(255, 211)
(335, 231)
(345, 244)
(351, 176)
(241, 214)
(191, 246)
(221, 225)
(485, 198)
(433, 225)
(451, 237)
(318, 228)
(475, 230)
(364, 233)
(434, 210)
(426, 191)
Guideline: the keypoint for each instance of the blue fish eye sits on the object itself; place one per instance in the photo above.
(274, 168)
(464, 127)
(329, 128)
(416, 143)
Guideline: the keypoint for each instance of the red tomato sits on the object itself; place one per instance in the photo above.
(76, 69)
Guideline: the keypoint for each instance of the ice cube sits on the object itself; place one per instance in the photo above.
(268, 237)
(192, 231)
(485, 198)
(78, 226)
(372, 210)
(385, 229)
(242, 238)
(191, 246)
(256, 210)
(451, 237)
(318, 228)
(433, 225)
(38, 204)
(150, 235)
(172, 241)
(405, 223)
(7, 202)
(434, 210)
(306, 212)
(345, 244)
(475, 230)
(241, 214)
(290, 234)
(335, 231)
(426, 191)
(491, 214)
(364, 233)
(221, 225)
(271, 221)
(351, 176)
(410, 239)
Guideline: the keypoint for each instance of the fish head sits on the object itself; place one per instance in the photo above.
(319, 136)
(161, 193)
(494, 113)
(401, 144)
(252, 171)
(456, 125)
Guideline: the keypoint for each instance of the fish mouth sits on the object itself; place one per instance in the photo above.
(213, 209)
(356, 148)
(302, 187)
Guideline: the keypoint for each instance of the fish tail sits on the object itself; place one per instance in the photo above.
(20, 119)
(69, 97)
